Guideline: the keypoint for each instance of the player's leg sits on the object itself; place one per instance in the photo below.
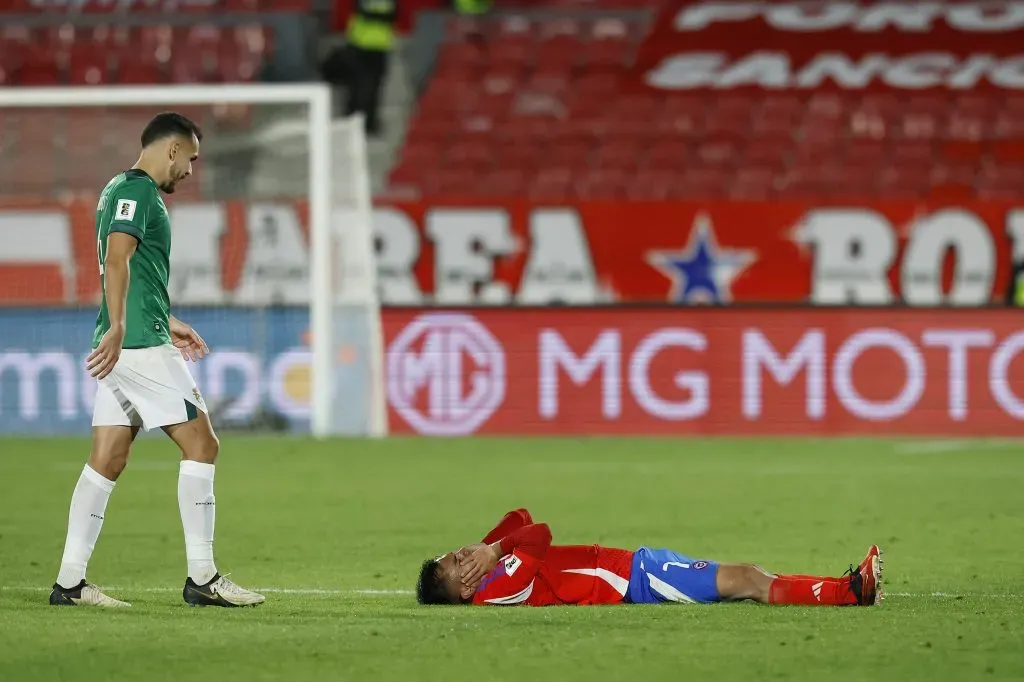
(738, 582)
(197, 504)
(115, 426)
(158, 382)
(861, 586)
(664, 576)
(377, 62)
(159, 385)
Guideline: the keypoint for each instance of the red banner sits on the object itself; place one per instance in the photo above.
(462, 253)
(722, 372)
(844, 45)
(692, 253)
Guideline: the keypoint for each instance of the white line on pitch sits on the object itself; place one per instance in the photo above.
(268, 590)
(935, 447)
(949, 595)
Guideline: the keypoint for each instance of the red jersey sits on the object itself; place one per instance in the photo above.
(534, 572)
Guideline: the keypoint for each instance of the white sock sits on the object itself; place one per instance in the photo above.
(198, 511)
(88, 506)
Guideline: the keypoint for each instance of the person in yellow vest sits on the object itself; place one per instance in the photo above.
(362, 64)
(1015, 288)
(471, 7)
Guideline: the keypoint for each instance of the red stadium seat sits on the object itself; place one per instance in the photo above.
(753, 183)
(767, 152)
(624, 155)
(669, 155)
(570, 154)
(1009, 125)
(39, 69)
(558, 101)
(866, 153)
(801, 182)
(903, 182)
(140, 71)
(699, 183)
(912, 153)
(470, 155)
(1011, 151)
(551, 183)
(651, 185)
(503, 183)
(89, 64)
(918, 125)
(602, 184)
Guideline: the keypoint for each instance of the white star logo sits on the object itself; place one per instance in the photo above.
(702, 272)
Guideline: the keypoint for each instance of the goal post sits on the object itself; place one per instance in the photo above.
(326, 175)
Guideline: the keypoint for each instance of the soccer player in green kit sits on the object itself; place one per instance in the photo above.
(138, 356)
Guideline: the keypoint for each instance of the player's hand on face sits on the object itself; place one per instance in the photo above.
(460, 556)
(101, 361)
(480, 561)
(466, 551)
(188, 341)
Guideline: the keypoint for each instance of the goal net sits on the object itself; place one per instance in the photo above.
(272, 255)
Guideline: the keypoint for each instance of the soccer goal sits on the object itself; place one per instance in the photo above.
(272, 255)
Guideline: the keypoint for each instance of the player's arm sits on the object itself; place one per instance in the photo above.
(116, 275)
(510, 583)
(517, 518)
(512, 521)
(531, 541)
(187, 340)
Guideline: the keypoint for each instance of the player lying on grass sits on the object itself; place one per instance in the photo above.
(138, 357)
(517, 564)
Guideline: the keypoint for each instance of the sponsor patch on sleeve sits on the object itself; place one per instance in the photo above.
(125, 210)
(512, 564)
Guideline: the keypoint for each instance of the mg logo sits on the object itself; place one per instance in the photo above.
(446, 374)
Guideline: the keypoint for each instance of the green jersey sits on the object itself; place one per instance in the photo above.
(131, 203)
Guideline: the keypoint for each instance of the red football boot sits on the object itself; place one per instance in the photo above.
(866, 581)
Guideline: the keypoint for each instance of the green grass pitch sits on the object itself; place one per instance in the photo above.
(338, 530)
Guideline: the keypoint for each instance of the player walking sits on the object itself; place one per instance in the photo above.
(138, 358)
(517, 564)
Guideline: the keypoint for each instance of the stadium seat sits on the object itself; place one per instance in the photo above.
(503, 183)
(551, 183)
(38, 69)
(140, 71)
(469, 155)
(651, 185)
(767, 151)
(602, 184)
(1010, 151)
(912, 153)
(899, 183)
(619, 154)
(89, 64)
(553, 101)
(753, 183)
(670, 154)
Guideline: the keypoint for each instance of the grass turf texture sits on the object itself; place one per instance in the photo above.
(351, 516)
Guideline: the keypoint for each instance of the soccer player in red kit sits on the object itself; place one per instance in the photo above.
(517, 564)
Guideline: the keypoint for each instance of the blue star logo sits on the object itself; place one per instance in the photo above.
(702, 272)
